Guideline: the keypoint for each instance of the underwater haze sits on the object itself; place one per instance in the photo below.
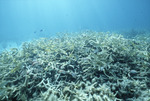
(22, 20)
(74, 50)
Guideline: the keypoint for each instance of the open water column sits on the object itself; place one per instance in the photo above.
(74, 50)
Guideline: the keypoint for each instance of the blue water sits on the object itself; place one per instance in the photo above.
(22, 20)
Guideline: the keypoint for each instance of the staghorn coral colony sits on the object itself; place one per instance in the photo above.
(90, 66)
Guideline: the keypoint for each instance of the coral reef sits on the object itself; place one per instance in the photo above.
(89, 66)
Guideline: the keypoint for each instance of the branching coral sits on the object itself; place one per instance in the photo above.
(91, 66)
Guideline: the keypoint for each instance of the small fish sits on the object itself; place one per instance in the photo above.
(41, 30)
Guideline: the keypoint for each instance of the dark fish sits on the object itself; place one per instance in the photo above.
(41, 30)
